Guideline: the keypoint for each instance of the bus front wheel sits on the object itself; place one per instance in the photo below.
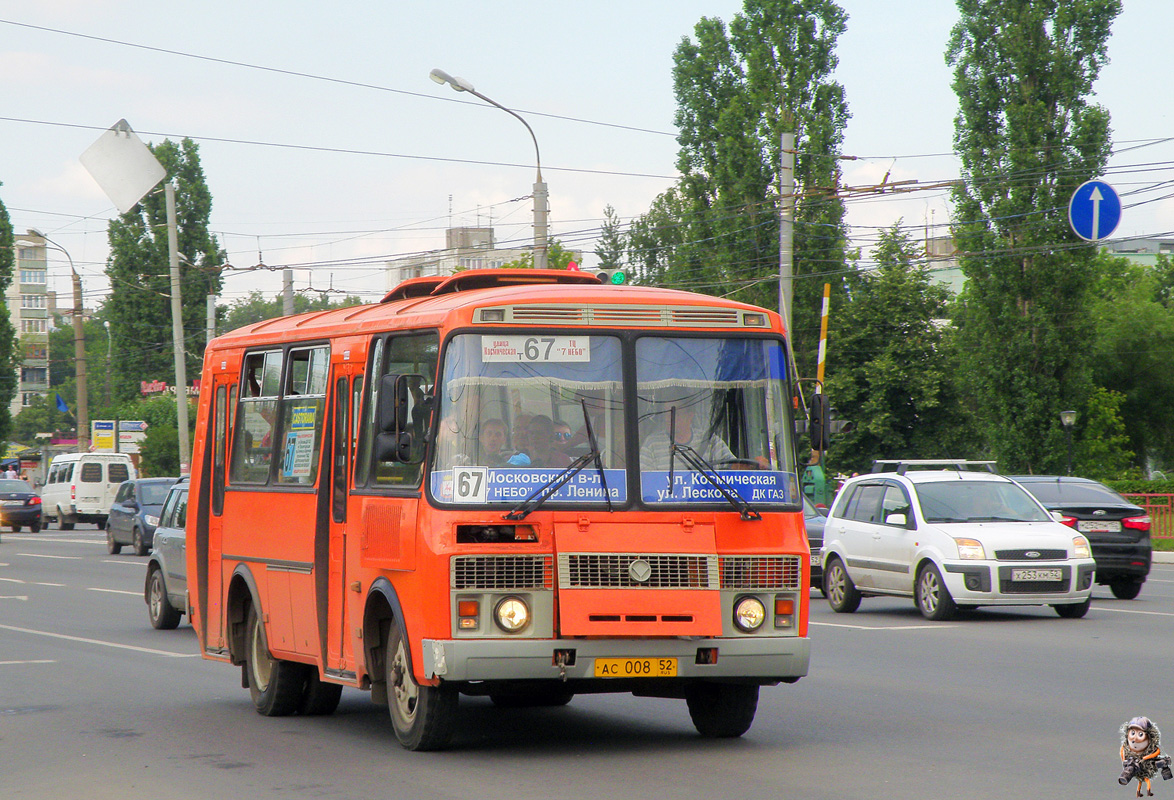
(422, 715)
(275, 685)
(722, 710)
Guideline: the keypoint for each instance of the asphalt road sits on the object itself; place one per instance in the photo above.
(1016, 703)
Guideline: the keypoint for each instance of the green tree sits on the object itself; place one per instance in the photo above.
(9, 346)
(40, 416)
(1102, 448)
(738, 91)
(1026, 136)
(159, 452)
(255, 308)
(139, 308)
(557, 257)
(888, 372)
(610, 249)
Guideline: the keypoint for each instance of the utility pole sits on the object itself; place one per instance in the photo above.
(79, 350)
(177, 337)
(287, 307)
(786, 226)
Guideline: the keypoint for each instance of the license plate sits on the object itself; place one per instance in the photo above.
(1037, 574)
(13, 503)
(635, 667)
(815, 560)
(1098, 526)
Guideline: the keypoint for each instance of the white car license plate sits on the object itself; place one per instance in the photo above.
(13, 503)
(815, 560)
(1098, 526)
(1037, 574)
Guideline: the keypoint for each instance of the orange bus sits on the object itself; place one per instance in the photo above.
(514, 483)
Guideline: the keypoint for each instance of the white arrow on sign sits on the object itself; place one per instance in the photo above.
(1096, 197)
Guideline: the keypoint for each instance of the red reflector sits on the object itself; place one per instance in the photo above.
(1138, 523)
(467, 608)
(1069, 521)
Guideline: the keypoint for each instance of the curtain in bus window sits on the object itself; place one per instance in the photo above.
(303, 410)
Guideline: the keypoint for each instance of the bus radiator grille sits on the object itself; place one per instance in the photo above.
(502, 572)
(616, 571)
(761, 572)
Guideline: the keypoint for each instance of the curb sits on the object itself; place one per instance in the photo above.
(1163, 557)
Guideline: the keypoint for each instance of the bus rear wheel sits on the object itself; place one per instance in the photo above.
(275, 685)
(423, 716)
(722, 710)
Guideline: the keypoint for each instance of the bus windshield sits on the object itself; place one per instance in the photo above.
(514, 411)
(712, 412)
(513, 414)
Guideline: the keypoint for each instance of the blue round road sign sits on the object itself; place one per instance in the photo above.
(1094, 211)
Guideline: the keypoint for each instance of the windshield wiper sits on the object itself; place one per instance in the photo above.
(547, 490)
(695, 460)
(994, 519)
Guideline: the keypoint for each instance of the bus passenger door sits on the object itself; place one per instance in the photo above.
(210, 584)
(345, 383)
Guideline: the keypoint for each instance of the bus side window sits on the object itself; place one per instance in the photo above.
(220, 434)
(303, 409)
(252, 440)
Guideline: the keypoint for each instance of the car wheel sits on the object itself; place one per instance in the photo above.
(35, 527)
(112, 547)
(16, 529)
(838, 588)
(422, 716)
(275, 685)
(163, 615)
(722, 710)
(1125, 589)
(933, 598)
(137, 541)
(65, 521)
(318, 697)
(1073, 610)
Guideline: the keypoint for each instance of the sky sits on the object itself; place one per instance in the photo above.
(328, 150)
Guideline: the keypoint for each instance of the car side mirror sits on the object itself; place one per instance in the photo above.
(1058, 516)
(897, 520)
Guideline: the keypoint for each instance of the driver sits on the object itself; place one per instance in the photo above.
(654, 453)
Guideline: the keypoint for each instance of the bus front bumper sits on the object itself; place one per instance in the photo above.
(767, 658)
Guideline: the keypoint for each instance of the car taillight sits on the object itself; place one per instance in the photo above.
(1141, 523)
(1069, 521)
(72, 491)
(34, 501)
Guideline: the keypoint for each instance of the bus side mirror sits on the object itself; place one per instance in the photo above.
(819, 422)
(402, 401)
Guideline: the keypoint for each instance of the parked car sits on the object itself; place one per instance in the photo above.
(951, 538)
(20, 505)
(1118, 530)
(166, 586)
(80, 487)
(813, 519)
(135, 513)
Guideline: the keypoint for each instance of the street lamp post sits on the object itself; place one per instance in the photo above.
(79, 349)
(541, 208)
(1068, 419)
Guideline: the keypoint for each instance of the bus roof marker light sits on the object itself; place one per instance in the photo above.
(493, 315)
(754, 320)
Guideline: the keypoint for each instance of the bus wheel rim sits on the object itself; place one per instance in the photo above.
(261, 664)
(404, 687)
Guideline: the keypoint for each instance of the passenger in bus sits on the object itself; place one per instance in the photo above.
(654, 453)
(562, 436)
(521, 432)
(493, 443)
(542, 452)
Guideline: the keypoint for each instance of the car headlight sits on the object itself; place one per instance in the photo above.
(1080, 547)
(970, 548)
(153, 521)
(749, 614)
(512, 614)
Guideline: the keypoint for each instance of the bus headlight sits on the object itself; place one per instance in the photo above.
(749, 614)
(512, 614)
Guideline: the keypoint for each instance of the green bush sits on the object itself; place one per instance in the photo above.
(1141, 487)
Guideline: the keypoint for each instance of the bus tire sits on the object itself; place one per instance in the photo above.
(164, 616)
(319, 698)
(422, 716)
(722, 710)
(275, 685)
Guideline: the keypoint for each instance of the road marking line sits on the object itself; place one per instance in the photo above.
(24, 597)
(139, 564)
(84, 640)
(46, 555)
(11, 580)
(1134, 611)
(882, 627)
(37, 661)
(113, 591)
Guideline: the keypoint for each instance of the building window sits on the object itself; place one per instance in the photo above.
(34, 375)
(33, 276)
(33, 301)
(34, 325)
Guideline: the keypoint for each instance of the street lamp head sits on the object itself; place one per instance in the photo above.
(36, 232)
(1068, 418)
(442, 77)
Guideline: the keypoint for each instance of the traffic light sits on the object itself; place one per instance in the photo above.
(613, 275)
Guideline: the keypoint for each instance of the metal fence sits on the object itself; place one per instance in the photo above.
(1160, 507)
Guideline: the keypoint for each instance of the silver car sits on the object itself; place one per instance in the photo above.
(166, 587)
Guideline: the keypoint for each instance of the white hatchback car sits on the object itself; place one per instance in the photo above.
(951, 538)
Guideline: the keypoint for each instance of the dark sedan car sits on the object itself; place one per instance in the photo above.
(1118, 530)
(20, 505)
(814, 519)
(135, 513)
